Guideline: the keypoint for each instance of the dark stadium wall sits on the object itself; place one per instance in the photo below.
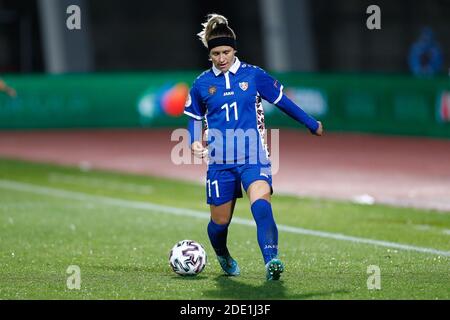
(142, 35)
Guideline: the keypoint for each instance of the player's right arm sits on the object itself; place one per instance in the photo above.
(195, 109)
(195, 131)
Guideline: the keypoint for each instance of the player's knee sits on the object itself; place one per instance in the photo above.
(220, 220)
(259, 190)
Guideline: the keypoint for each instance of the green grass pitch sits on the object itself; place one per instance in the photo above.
(52, 217)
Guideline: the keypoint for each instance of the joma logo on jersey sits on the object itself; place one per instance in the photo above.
(243, 85)
(228, 93)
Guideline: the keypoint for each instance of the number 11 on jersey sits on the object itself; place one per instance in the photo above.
(227, 109)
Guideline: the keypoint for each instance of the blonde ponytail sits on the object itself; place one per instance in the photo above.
(215, 26)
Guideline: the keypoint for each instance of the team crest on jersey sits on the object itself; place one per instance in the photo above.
(212, 90)
(243, 85)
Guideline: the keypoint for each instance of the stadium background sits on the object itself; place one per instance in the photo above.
(109, 95)
(131, 68)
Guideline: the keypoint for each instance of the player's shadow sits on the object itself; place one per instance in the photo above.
(233, 288)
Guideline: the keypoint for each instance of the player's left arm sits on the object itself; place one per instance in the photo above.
(272, 91)
(297, 113)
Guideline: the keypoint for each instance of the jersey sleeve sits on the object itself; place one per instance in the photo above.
(268, 87)
(194, 107)
(272, 91)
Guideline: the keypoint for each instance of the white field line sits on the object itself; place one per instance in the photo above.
(25, 187)
(108, 184)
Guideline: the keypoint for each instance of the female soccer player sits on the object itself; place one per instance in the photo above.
(227, 98)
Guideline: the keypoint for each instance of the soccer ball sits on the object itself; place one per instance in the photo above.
(187, 258)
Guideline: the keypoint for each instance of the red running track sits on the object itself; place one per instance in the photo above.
(404, 171)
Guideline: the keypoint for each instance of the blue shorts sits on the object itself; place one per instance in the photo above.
(225, 185)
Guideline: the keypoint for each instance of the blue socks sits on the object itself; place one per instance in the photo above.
(218, 236)
(266, 229)
(267, 232)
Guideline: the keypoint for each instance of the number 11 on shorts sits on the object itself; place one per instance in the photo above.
(215, 182)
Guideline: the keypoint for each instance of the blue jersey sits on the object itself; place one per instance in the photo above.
(231, 107)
